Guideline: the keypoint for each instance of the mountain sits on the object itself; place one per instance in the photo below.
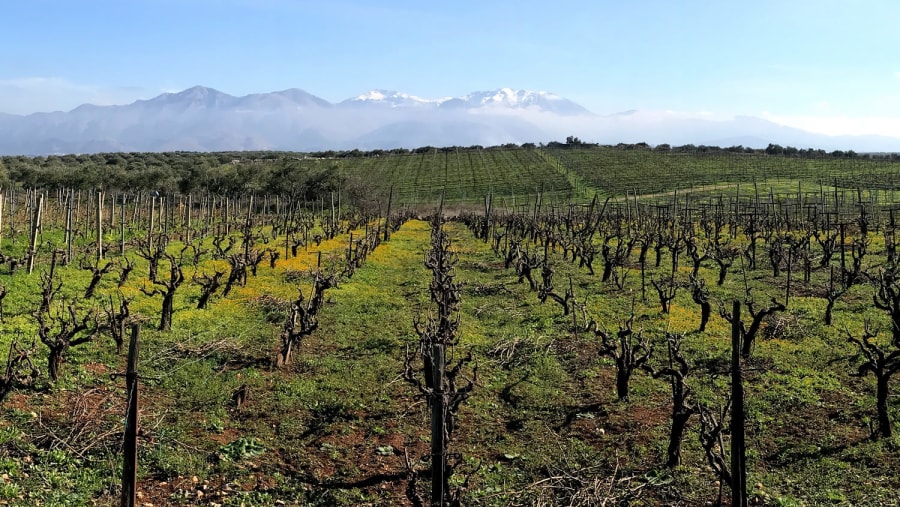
(197, 97)
(205, 119)
(276, 101)
(495, 101)
(519, 99)
(389, 98)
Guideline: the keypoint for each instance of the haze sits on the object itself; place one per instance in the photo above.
(827, 67)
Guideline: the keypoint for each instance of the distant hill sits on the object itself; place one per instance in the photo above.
(205, 119)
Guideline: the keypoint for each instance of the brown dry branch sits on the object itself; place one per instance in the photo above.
(440, 385)
(116, 320)
(700, 295)
(683, 405)
(167, 289)
(749, 334)
(887, 298)
(97, 273)
(712, 440)
(127, 268)
(90, 422)
(209, 284)
(629, 350)
(303, 319)
(3, 293)
(882, 363)
(20, 369)
(63, 331)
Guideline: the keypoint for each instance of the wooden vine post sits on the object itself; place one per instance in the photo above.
(1, 215)
(152, 216)
(129, 448)
(122, 226)
(438, 410)
(333, 216)
(112, 213)
(187, 225)
(99, 226)
(488, 207)
(70, 226)
(35, 225)
(166, 212)
(387, 216)
(738, 447)
(208, 207)
(225, 210)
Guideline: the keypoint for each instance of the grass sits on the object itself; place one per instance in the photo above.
(463, 176)
(332, 427)
(617, 171)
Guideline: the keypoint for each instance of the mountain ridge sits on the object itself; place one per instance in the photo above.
(214, 97)
(206, 119)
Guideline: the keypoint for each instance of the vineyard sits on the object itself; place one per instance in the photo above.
(553, 325)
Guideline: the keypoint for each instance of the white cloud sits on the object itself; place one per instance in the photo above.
(43, 94)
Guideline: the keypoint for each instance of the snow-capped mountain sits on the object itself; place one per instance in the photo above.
(494, 101)
(202, 118)
(391, 99)
(518, 99)
(205, 119)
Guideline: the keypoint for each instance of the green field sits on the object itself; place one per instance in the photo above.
(223, 424)
(618, 171)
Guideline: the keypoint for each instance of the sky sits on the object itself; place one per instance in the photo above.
(826, 66)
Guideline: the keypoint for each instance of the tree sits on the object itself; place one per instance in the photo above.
(209, 284)
(116, 320)
(4, 175)
(887, 298)
(303, 319)
(629, 350)
(167, 289)
(882, 363)
(63, 331)
(19, 368)
(683, 406)
(700, 295)
(437, 335)
(666, 290)
(97, 273)
(748, 334)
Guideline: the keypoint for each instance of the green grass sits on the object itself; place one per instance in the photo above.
(544, 401)
(463, 177)
(332, 427)
(617, 171)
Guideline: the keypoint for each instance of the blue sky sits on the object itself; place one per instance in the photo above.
(822, 65)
